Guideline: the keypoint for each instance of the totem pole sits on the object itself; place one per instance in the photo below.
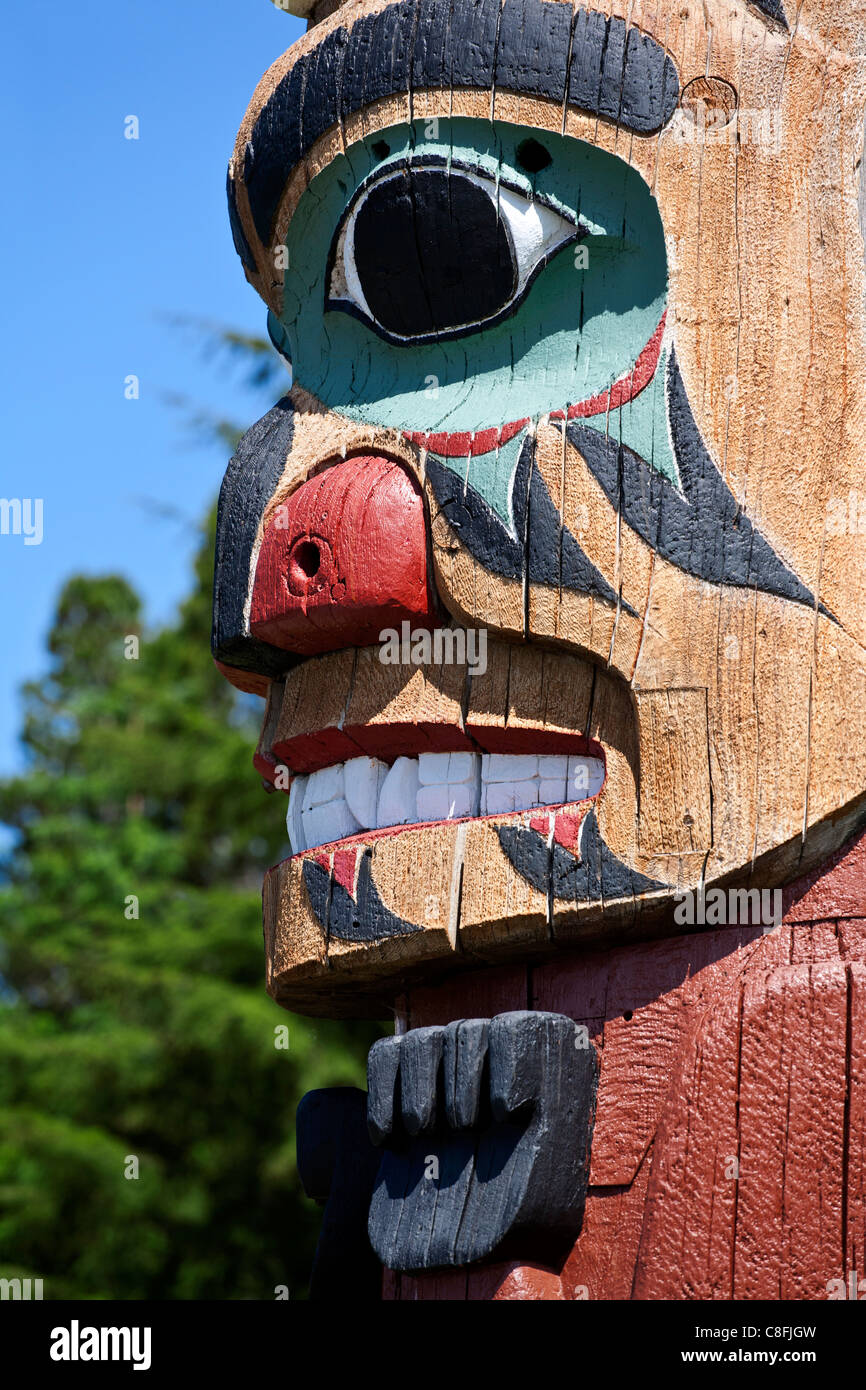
(550, 568)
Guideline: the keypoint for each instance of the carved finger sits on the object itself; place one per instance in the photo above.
(382, 1065)
(465, 1055)
(420, 1060)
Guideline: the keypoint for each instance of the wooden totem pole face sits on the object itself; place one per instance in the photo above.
(574, 301)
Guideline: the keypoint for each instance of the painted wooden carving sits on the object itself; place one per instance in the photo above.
(498, 1163)
(551, 570)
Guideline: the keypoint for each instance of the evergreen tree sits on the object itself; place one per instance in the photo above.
(146, 1113)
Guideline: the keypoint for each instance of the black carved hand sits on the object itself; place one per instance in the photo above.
(486, 1128)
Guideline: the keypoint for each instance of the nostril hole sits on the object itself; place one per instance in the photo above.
(310, 566)
(306, 559)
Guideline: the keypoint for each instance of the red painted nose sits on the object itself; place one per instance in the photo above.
(343, 558)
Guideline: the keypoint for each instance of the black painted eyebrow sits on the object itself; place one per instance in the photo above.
(581, 57)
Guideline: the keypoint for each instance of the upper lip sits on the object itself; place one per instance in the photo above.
(346, 705)
(306, 754)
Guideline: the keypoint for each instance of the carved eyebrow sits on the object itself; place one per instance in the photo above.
(770, 9)
(582, 58)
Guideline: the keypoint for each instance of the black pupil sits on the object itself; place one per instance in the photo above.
(432, 253)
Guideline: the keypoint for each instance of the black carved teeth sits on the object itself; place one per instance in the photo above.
(485, 1129)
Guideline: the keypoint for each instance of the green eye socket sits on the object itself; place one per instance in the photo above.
(460, 275)
(432, 249)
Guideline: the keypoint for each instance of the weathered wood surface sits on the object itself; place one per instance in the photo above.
(485, 1129)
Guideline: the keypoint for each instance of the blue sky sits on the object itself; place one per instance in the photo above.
(103, 238)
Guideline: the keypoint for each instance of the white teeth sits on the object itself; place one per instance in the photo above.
(399, 795)
(433, 769)
(464, 799)
(553, 765)
(363, 783)
(333, 821)
(551, 790)
(508, 767)
(433, 803)
(365, 794)
(462, 767)
(325, 813)
(585, 778)
(499, 797)
(323, 786)
(293, 817)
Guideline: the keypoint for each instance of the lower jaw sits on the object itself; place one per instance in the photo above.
(350, 926)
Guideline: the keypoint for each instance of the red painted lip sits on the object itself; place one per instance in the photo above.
(310, 752)
(465, 444)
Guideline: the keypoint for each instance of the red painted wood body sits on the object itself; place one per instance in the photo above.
(729, 1151)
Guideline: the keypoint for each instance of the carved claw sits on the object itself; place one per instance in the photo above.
(486, 1128)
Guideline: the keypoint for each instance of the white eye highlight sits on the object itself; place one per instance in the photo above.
(536, 231)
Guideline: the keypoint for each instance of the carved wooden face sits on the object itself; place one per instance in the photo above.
(574, 301)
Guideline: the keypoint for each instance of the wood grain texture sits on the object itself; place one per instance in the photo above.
(345, 704)
(733, 362)
(676, 810)
(362, 54)
(657, 810)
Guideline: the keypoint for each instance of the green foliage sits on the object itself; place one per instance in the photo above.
(152, 1036)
